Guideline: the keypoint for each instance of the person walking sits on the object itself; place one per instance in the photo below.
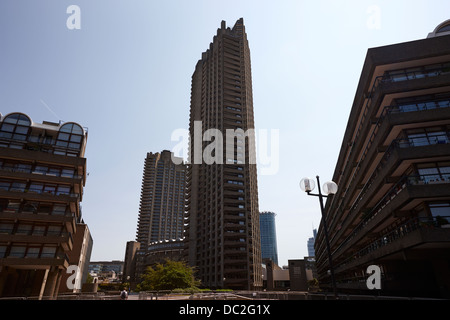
(124, 294)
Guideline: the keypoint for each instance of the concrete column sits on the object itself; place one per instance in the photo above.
(269, 269)
(44, 281)
(58, 283)
(52, 279)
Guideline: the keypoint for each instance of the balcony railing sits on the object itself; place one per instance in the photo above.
(37, 233)
(58, 213)
(389, 196)
(419, 106)
(43, 173)
(12, 188)
(416, 73)
(391, 77)
(398, 143)
(398, 233)
(42, 255)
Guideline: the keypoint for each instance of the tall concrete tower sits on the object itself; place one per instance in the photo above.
(222, 233)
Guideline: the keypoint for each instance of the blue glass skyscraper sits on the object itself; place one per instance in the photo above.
(311, 241)
(268, 236)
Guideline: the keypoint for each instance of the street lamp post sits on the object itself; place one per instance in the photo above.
(330, 188)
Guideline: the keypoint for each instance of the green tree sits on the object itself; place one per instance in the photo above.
(89, 278)
(168, 276)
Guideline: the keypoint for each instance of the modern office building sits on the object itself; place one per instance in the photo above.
(392, 208)
(222, 233)
(268, 236)
(42, 175)
(310, 244)
(162, 204)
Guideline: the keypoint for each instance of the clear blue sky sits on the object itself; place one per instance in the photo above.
(126, 75)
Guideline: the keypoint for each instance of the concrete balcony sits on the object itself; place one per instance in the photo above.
(63, 238)
(61, 261)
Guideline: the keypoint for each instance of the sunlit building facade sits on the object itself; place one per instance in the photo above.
(222, 227)
(393, 205)
(42, 176)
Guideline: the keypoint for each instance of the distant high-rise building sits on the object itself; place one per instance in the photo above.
(42, 177)
(311, 251)
(161, 210)
(392, 208)
(162, 206)
(268, 236)
(222, 233)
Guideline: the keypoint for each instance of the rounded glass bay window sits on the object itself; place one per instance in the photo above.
(69, 139)
(15, 126)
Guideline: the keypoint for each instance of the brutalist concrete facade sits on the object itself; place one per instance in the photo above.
(42, 176)
(393, 205)
(222, 234)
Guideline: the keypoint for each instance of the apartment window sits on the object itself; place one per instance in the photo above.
(17, 251)
(40, 170)
(36, 187)
(30, 207)
(59, 209)
(67, 173)
(2, 251)
(420, 106)
(235, 182)
(54, 230)
(4, 185)
(434, 172)
(13, 206)
(417, 72)
(48, 252)
(69, 140)
(441, 209)
(24, 229)
(63, 190)
(6, 227)
(39, 230)
(53, 172)
(15, 126)
(20, 167)
(33, 252)
(427, 136)
(50, 189)
(18, 186)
